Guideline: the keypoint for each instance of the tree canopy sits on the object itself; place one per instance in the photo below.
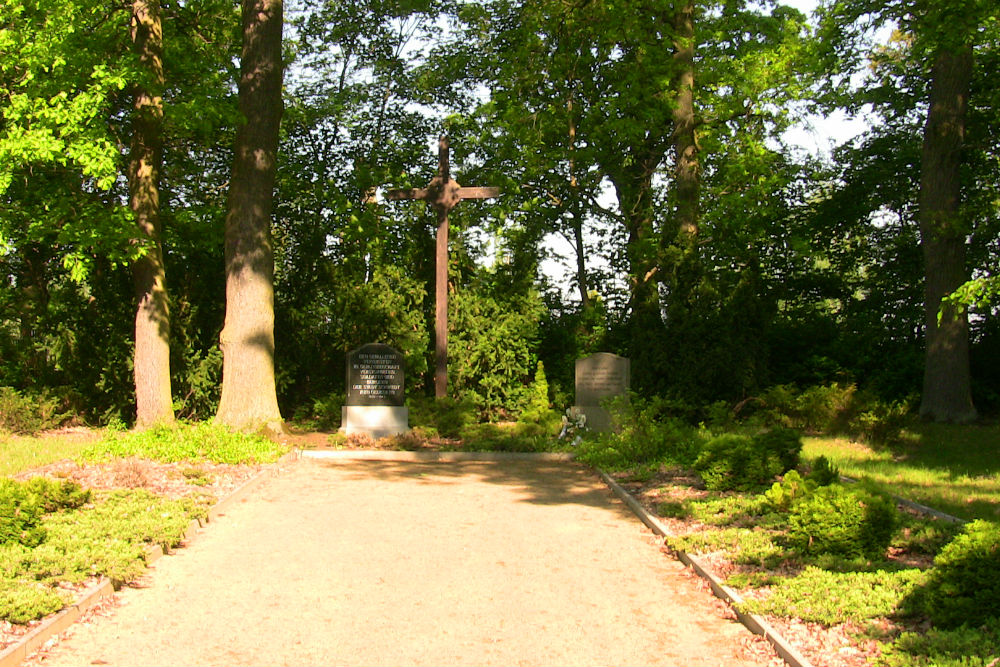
(652, 204)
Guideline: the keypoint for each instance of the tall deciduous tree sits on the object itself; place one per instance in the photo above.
(249, 398)
(152, 320)
(947, 394)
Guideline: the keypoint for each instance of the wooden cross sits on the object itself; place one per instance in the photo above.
(443, 193)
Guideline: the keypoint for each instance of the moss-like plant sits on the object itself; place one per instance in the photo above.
(832, 598)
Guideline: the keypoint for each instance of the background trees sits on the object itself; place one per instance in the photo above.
(648, 136)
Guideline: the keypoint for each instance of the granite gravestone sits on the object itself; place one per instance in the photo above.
(598, 377)
(375, 396)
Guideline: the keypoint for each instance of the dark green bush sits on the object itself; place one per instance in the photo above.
(28, 414)
(841, 521)
(734, 462)
(446, 415)
(823, 473)
(646, 434)
(964, 585)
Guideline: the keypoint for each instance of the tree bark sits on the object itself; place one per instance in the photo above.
(947, 392)
(152, 318)
(687, 168)
(249, 397)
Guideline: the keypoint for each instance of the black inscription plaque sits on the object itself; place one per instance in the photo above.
(375, 375)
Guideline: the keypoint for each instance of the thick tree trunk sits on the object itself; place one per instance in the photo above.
(152, 317)
(249, 398)
(947, 394)
(687, 169)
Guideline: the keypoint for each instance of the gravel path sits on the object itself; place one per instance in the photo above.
(401, 563)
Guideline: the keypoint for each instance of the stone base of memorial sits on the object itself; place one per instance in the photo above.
(598, 419)
(378, 421)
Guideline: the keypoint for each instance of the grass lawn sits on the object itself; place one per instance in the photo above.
(20, 453)
(955, 469)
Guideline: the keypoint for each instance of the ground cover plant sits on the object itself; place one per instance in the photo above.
(56, 535)
(838, 568)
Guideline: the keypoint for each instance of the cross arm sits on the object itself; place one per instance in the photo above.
(478, 193)
(409, 193)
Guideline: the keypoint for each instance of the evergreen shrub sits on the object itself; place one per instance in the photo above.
(736, 462)
(841, 521)
(964, 585)
(646, 434)
(24, 414)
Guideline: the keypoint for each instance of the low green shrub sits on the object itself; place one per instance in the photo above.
(962, 647)
(964, 584)
(823, 473)
(790, 489)
(736, 462)
(22, 602)
(20, 514)
(831, 598)
(187, 442)
(446, 415)
(834, 408)
(322, 414)
(27, 414)
(646, 433)
(841, 521)
(23, 504)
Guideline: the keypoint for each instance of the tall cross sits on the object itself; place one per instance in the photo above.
(443, 193)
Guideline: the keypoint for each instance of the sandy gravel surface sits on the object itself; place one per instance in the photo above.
(393, 563)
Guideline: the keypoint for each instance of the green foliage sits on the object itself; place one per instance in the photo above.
(747, 546)
(22, 602)
(831, 598)
(490, 348)
(963, 587)
(188, 442)
(447, 415)
(733, 461)
(842, 521)
(836, 409)
(322, 413)
(790, 489)
(961, 647)
(646, 433)
(23, 504)
(20, 514)
(28, 414)
(50, 533)
(823, 473)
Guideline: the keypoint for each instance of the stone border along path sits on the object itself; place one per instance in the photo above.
(37, 638)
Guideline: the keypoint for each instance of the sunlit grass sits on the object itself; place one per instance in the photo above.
(20, 453)
(955, 469)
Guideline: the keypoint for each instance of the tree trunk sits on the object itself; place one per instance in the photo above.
(947, 394)
(249, 398)
(152, 317)
(687, 169)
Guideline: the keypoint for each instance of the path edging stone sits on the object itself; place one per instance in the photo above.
(430, 456)
(753, 622)
(15, 654)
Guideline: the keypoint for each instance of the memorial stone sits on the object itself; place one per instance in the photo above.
(375, 397)
(598, 377)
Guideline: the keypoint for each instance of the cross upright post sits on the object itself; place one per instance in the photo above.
(443, 193)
